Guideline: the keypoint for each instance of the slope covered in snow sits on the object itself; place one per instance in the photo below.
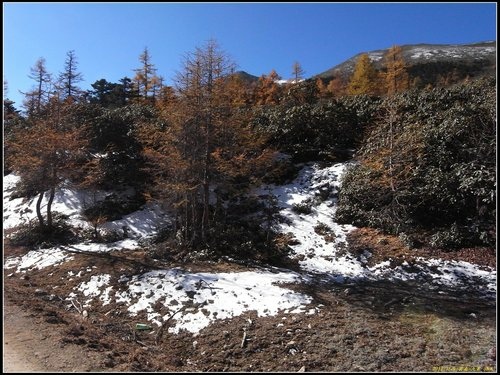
(197, 298)
(309, 204)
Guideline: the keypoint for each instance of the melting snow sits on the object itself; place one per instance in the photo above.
(319, 255)
(71, 202)
(328, 258)
(37, 259)
(205, 297)
(218, 296)
(93, 288)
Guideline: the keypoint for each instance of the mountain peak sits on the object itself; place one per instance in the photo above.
(475, 57)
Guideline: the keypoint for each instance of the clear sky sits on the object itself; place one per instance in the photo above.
(109, 37)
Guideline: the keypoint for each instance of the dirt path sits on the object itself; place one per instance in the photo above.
(31, 344)
(21, 338)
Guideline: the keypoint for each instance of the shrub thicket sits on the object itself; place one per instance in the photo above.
(312, 131)
(428, 165)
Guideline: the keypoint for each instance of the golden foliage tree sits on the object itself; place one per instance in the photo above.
(268, 90)
(145, 76)
(365, 77)
(39, 95)
(204, 144)
(396, 76)
(321, 87)
(336, 87)
(44, 153)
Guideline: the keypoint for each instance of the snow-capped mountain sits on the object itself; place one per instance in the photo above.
(472, 59)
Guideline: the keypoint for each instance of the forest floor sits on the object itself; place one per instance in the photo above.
(370, 326)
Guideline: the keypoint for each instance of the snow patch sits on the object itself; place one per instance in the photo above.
(325, 253)
(204, 296)
(37, 259)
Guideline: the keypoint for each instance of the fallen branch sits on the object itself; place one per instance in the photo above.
(244, 340)
(141, 343)
(76, 307)
(164, 325)
(198, 286)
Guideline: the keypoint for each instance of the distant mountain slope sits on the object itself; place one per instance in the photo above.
(427, 61)
(246, 77)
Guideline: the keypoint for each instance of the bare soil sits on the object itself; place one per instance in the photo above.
(368, 327)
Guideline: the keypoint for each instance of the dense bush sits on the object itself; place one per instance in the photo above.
(311, 131)
(114, 152)
(246, 229)
(428, 164)
(304, 208)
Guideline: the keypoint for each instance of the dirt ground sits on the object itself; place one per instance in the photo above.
(363, 327)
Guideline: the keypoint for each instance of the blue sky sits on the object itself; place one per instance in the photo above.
(108, 37)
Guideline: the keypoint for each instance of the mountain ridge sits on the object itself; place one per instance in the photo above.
(422, 58)
(472, 57)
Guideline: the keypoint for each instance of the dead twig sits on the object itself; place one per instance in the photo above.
(141, 343)
(198, 285)
(164, 325)
(76, 307)
(244, 340)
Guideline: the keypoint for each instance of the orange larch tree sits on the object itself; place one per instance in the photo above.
(396, 76)
(43, 153)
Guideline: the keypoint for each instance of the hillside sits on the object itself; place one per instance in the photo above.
(227, 226)
(428, 60)
(205, 315)
(246, 77)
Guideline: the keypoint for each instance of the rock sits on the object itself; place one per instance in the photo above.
(108, 362)
(302, 369)
(47, 297)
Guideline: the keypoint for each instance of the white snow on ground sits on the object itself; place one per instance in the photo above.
(42, 258)
(71, 202)
(38, 259)
(376, 56)
(451, 51)
(205, 297)
(328, 258)
(218, 296)
(21, 210)
(141, 223)
(92, 289)
(318, 254)
(286, 81)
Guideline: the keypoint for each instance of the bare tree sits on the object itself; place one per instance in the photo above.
(297, 71)
(70, 77)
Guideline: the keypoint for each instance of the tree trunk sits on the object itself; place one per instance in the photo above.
(49, 207)
(51, 199)
(39, 211)
(206, 194)
(392, 120)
